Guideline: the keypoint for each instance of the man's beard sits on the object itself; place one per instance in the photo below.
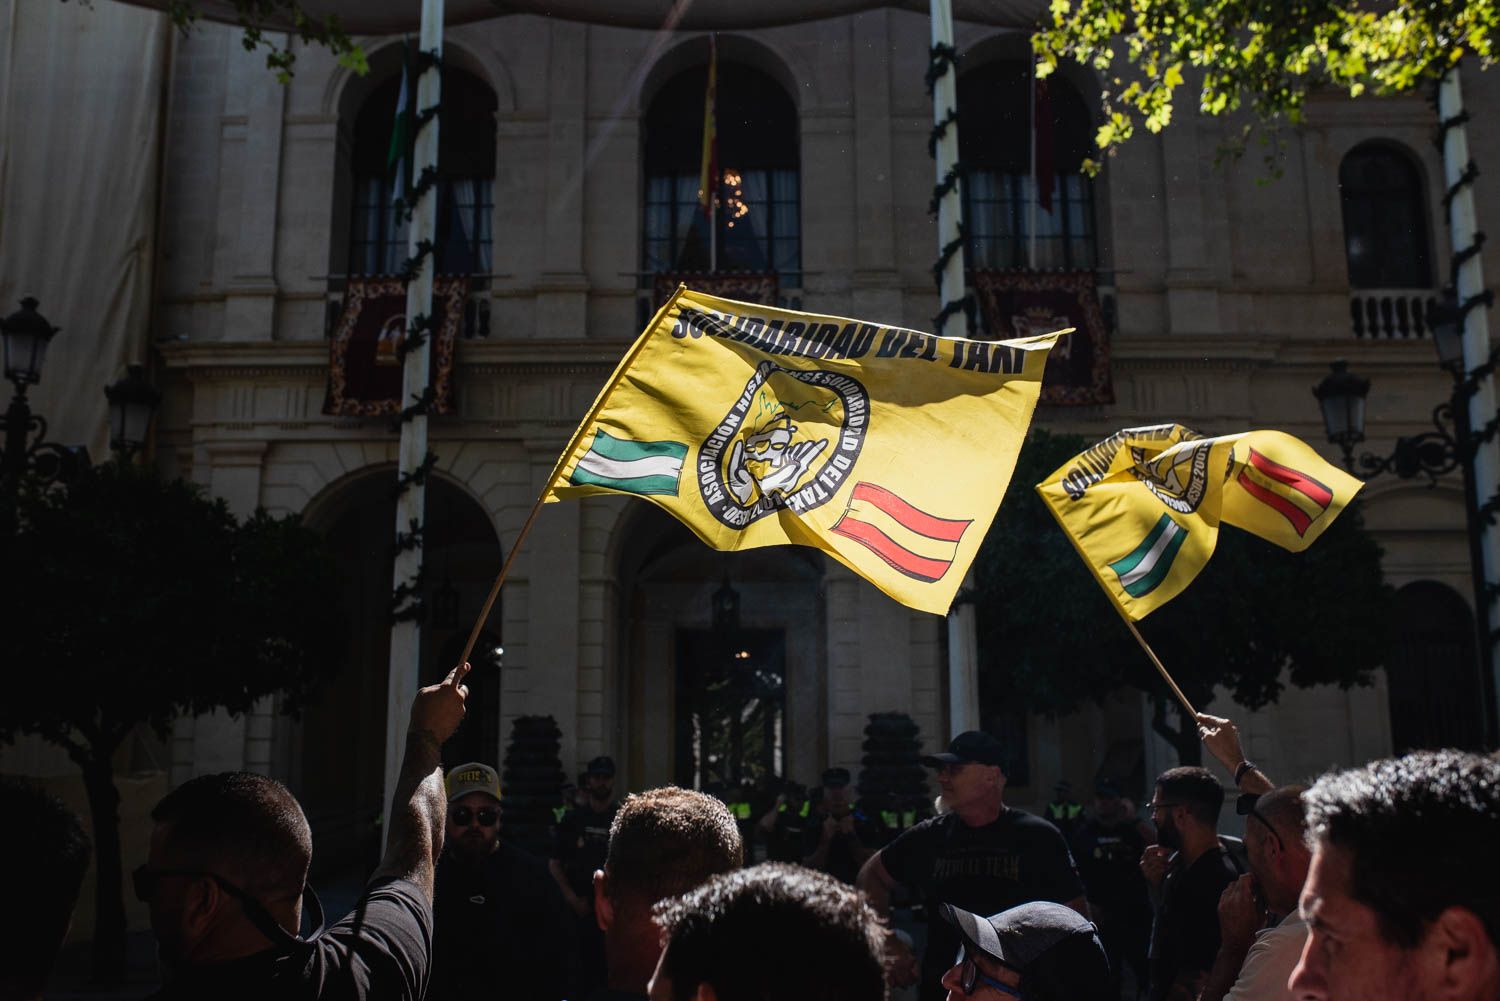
(474, 844)
(1168, 834)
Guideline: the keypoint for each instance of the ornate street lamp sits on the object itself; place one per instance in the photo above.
(26, 334)
(1341, 395)
(132, 401)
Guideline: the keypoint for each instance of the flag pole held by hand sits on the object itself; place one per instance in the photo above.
(1166, 676)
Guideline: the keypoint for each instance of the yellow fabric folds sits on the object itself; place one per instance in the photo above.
(886, 448)
(1143, 506)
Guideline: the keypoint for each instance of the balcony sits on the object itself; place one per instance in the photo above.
(1391, 314)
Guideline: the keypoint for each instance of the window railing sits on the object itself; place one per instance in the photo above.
(1385, 314)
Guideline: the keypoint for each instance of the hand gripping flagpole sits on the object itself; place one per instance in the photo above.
(562, 460)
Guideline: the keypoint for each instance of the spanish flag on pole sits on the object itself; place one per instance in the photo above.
(1143, 506)
(886, 448)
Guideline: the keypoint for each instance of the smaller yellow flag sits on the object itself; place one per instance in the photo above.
(1143, 506)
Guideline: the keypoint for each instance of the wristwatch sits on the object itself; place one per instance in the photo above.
(1245, 766)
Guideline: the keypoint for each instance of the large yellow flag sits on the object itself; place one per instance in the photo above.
(1143, 506)
(887, 449)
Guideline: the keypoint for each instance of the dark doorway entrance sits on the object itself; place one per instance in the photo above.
(731, 706)
(1436, 696)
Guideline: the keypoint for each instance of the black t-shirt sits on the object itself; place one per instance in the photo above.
(380, 950)
(502, 921)
(581, 845)
(1014, 860)
(1185, 935)
(1109, 859)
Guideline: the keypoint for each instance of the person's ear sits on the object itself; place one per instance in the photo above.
(604, 908)
(1458, 955)
(201, 902)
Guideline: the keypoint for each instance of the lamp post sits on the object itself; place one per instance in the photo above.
(1341, 395)
(132, 401)
(26, 334)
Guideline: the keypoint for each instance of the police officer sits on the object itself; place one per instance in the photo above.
(839, 838)
(579, 849)
(1065, 812)
(1108, 847)
(784, 824)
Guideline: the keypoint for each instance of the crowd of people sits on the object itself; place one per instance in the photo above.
(1375, 882)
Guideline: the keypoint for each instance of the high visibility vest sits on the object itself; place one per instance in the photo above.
(740, 809)
(557, 814)
(1064, 811)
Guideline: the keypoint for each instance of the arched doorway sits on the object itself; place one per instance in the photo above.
(1435, 693)
(709, 699)
(335, 755)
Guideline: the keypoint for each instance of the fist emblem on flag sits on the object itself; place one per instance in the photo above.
(771, 459)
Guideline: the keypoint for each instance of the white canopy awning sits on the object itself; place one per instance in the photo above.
(385, 17)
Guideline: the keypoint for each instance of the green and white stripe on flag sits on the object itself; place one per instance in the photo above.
(1148, 564)
(401, 136)
(634, 467)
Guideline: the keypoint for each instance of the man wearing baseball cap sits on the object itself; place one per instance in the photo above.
(499, 920)
(1039, 951)
(980, 856)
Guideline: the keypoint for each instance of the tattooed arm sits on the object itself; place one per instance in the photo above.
(419, 805)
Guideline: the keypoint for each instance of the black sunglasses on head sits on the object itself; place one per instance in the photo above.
(146, 881)
(1245, 807)
(461, 816)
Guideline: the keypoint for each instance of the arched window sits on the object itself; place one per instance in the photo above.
(995, 105)
(466, 181)
(1435, 692)
(1385, 219)
(758, 222)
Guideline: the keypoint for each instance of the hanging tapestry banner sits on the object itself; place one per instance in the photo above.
(759, 287)
(1023, 303)
(364, 356)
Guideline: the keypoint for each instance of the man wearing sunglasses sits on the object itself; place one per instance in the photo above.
(227, 871)
(497, 913)
(1260, 931)
(1037, 952)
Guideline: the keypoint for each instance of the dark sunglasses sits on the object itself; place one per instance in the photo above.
(461, 816)
(969, 979)
(1245, 807)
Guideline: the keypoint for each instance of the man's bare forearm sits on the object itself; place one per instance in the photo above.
(873, 886)
(416, 831)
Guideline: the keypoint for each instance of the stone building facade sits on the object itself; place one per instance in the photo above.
(1229, 294)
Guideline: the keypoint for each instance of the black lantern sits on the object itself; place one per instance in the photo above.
(1341, 395)
(132, 401)
(1447, 327)
(726, 608)
(27, 334)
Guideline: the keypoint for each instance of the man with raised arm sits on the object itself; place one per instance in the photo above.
(227, 875)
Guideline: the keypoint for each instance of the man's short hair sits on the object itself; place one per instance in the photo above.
(1196, 789)
(46, 853)
(666, 841)
(244, 827)
(826, 942)
(1284, 810)
(1421, 835)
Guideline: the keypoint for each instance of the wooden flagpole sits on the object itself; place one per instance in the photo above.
(1160, 667)
(562, 460)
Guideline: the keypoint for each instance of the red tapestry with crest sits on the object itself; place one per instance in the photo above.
(760, 288)
(1024, 303)
(364, 363)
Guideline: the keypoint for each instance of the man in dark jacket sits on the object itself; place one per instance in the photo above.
(500, 920)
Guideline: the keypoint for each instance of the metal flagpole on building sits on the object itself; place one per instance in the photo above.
(1035, 193)
(1468, 281)
(963, 645)
(413, 459)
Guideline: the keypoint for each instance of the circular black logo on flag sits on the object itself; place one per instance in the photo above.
(789, 441)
